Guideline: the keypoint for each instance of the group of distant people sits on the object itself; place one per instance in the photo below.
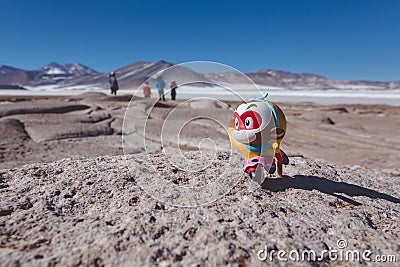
(160, 85)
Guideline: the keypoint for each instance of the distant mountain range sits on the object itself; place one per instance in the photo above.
(62, 75)
(79, 76)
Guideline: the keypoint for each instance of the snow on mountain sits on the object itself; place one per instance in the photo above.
(67, 68)
(79, 69)
(54, 68)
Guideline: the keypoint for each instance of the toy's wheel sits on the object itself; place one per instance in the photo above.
(257, 175)
(285, 159)
(272, 169)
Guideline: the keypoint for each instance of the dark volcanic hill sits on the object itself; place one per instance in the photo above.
(6, 69)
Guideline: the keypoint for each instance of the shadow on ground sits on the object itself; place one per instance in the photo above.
(326, 186)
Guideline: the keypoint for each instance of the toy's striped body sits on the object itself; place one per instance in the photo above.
(256, 130)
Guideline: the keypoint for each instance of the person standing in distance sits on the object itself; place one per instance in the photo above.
(146, 90)
(160, 84)
(113, 83)
(173, 87)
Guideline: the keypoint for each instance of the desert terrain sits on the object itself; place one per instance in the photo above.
(49, 128)
(80, 185)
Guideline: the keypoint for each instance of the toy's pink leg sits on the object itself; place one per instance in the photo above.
(279, 160)
(280, 169)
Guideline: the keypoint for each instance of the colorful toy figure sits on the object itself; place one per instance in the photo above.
(256, 130)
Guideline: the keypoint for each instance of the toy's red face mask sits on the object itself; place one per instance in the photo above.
(250, 119)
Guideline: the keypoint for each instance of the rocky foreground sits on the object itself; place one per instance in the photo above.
(93, 211)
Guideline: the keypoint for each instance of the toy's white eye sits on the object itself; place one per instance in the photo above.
(249, 123)
(236, 123)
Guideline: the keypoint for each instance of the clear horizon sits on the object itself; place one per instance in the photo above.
(341, 40)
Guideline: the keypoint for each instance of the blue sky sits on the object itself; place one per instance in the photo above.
(340, 39)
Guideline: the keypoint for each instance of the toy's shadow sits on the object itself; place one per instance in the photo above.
(326, 186)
